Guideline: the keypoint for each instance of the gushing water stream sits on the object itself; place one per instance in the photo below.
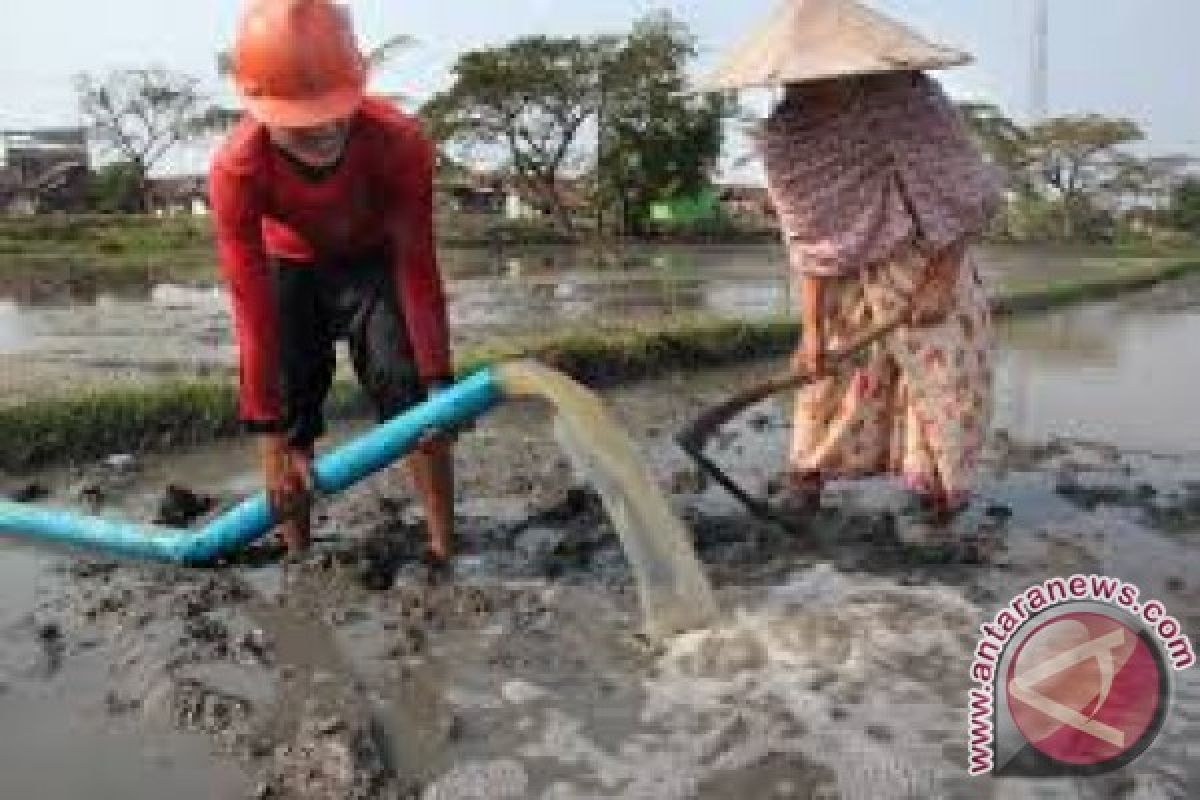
(674, 591)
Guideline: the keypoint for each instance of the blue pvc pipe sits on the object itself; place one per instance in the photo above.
(253, 518)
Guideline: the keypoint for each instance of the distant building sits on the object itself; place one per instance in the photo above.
(27, 156)
(186, 194)
(747, 206)
(473, 192)
(487, 193)
(704, 206)
(43, 170)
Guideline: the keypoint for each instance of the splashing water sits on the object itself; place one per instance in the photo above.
(674, 591)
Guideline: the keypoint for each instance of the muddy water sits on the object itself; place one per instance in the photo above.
(839, 671)
(59, 739)
(1117, 372)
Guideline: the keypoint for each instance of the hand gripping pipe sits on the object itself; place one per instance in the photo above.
(254, 518)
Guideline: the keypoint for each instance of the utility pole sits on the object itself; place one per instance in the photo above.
(1039, 75)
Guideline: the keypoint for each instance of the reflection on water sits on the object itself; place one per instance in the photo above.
(512, 290)
(517, 262)
(1104, 372)
(497, 290)
(531, 303)
(12, 331)
(184, 297)
(1081, 337)
(538, 286)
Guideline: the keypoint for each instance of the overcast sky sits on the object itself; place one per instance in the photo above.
(1137, 58)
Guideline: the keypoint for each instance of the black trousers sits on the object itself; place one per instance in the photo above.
(322, 304)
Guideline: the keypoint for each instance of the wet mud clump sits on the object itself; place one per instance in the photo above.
(180, 507)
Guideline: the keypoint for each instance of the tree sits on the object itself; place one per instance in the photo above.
(141, 115)
(532, 99)
(656, 141)
(1145, 182)
(115, 188)
(1071, 173)
(1076, 156)
(538, 101)
(1185, 205)
(1003, 142)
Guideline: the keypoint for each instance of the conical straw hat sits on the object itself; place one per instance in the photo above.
(810, 40)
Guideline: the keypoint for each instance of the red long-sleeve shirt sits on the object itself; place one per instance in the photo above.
(380, 197)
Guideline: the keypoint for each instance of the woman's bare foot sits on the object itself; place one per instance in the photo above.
(801, 494)
(954, 532)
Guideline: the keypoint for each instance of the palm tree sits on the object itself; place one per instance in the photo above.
(382, 54)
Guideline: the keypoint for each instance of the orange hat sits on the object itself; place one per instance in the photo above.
(296, 63)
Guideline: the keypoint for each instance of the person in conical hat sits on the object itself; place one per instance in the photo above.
(323, 209)
(880, 193)
(811, 40)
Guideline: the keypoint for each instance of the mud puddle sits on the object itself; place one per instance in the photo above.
(840, 669)
(60, 738)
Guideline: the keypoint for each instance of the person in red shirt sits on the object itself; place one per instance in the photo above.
(323, 206)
